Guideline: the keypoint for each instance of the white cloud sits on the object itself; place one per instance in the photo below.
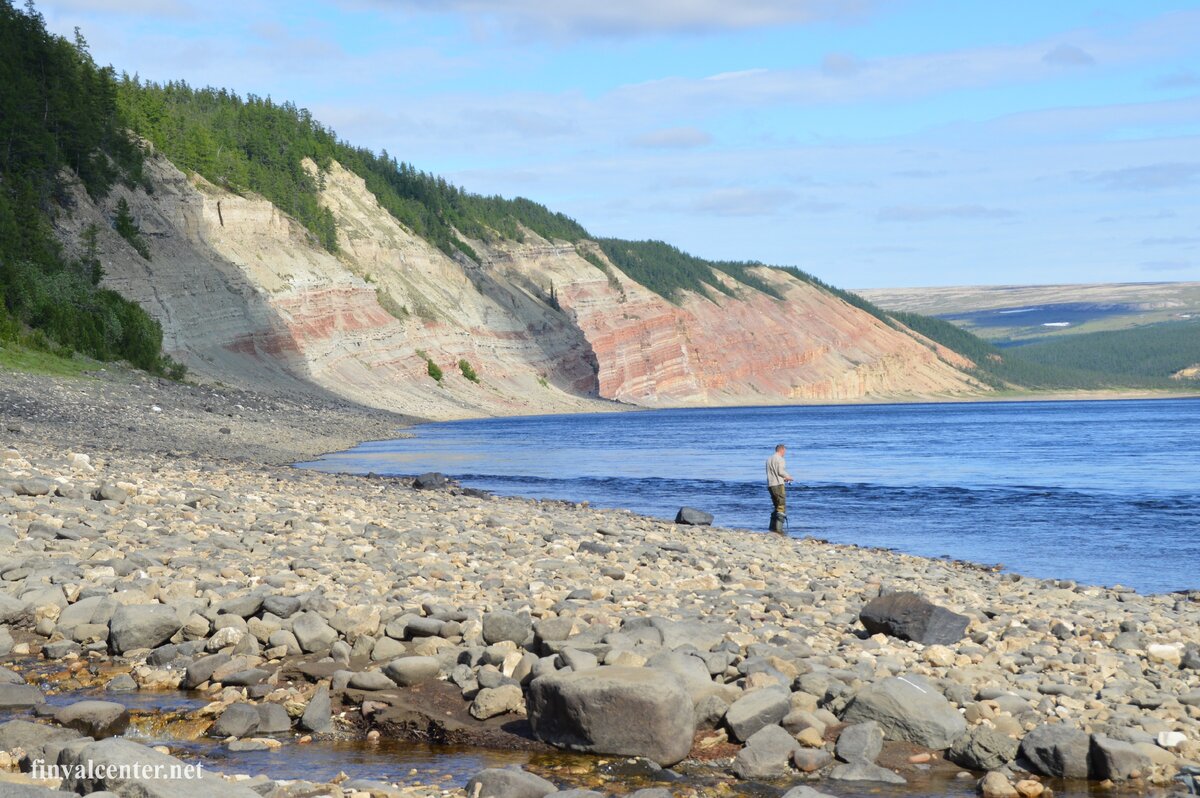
(1151, 177)
(673, 138)
(926, 213)
(1068, 55)
(574, 18)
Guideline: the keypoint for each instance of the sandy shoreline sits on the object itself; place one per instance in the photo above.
(271, 569)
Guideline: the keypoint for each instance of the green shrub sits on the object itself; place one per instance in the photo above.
(468, 371)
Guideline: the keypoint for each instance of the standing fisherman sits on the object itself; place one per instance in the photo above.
(777, 479)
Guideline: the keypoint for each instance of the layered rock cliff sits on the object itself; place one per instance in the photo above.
(246, 295)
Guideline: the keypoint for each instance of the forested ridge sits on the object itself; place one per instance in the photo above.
(255, 144)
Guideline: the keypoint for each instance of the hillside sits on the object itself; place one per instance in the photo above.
(1128, 335)
(267, 252)
(1015, 313)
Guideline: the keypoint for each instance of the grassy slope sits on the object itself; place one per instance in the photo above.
(14, 357)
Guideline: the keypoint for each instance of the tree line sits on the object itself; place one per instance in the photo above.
(59, 114)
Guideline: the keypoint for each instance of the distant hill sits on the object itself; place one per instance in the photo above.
(1131, 334)
(1013, 313)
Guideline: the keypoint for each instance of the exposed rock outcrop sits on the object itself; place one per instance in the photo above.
(246, 295)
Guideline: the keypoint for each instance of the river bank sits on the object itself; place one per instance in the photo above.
(301, 605)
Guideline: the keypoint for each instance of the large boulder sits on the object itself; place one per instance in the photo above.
(690, 516)
(614, 710)
(431, 480)
(983, 748)
(125, 768)
(1117, 760)
(756, 710)
(508, 783)
(908, 616)
(908, 708)
(135, 626)
(1055, 749)
(97, 719)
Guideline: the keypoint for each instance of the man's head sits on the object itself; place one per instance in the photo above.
(780, 449)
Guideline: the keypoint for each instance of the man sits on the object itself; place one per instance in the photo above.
(777, 479)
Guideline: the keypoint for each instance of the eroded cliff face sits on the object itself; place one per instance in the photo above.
(245, 294)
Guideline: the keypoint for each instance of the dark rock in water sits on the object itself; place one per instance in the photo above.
(431, 481)
(238, 720)
(97, 719)
(614, 710)
(121, 683)
(983, 748)
(508, 783)
(908, 708)
(865, 771)
(766, 754)
(804, 791)
(908, 616)
(1055, 749)
(690, 516)
(1117, 760)
(19, 696)
(318, 715)
(651, 792)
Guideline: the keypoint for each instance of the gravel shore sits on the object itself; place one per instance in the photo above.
(151, 549)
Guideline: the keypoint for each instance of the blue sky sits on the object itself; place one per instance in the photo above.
(872, 142)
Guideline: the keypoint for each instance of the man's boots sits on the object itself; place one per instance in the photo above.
(778, 522)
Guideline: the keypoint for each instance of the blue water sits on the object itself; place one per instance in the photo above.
(1098, 492)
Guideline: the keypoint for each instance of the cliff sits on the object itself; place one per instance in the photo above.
(245, 295)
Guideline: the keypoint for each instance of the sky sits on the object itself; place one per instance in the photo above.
(874, 143)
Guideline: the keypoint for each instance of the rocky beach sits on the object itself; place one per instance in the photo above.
(154, 540)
